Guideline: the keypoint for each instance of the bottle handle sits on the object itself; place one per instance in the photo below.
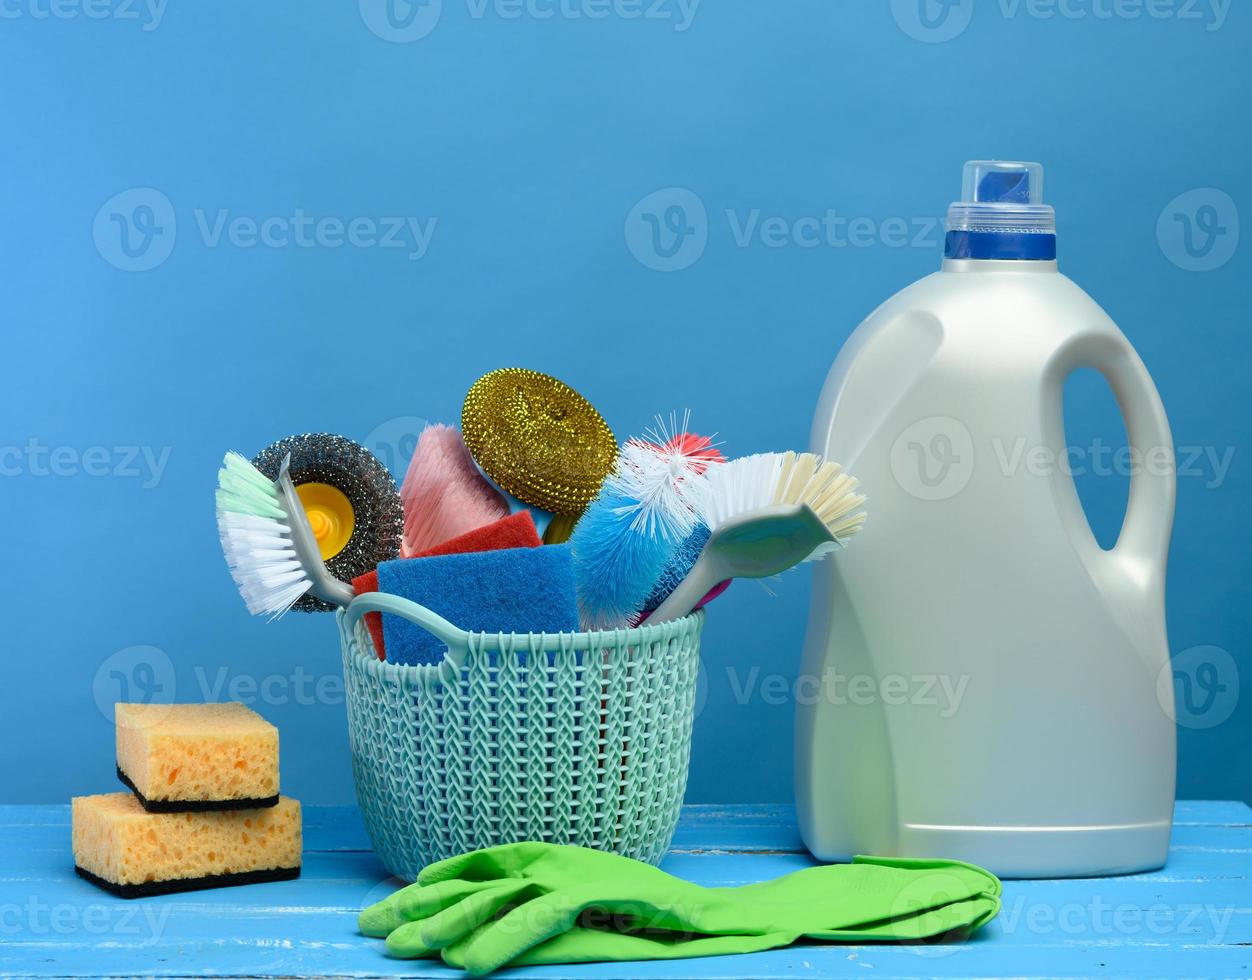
(1143, 543)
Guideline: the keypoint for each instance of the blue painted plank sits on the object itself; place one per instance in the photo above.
(349, 956)
(1213, 813)
(1190, 918)
(1196, 854)
(747, 828)
(341, 884)
(45, 837)
(65, 927)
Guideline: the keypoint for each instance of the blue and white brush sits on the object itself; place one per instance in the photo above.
(629, 534)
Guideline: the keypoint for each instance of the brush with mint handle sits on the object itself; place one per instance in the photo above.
(534, 903)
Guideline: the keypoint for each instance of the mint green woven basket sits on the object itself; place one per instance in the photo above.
(573, 738)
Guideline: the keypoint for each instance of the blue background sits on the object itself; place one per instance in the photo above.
(531, 140)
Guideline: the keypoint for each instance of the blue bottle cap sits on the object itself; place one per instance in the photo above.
(1001, 214)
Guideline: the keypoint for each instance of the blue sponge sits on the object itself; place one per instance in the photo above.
(519, 590)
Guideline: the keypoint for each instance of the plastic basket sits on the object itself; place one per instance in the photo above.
(573, 738)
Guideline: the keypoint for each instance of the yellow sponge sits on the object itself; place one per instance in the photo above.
(188, 757)
(123, 848)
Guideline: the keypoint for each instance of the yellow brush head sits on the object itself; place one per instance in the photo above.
(538, 438)
(330, 516)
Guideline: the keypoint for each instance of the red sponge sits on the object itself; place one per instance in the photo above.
(515, 531)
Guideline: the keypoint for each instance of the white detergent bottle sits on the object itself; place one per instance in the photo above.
(987, 682)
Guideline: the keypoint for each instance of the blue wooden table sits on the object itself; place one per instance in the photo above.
(1193, 918)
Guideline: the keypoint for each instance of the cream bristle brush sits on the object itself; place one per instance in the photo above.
(766, 513)
(270, 548)
(443, 493)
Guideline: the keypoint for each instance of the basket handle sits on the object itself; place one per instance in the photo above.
(455, 638)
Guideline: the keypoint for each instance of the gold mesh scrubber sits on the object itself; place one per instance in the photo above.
(538, 438)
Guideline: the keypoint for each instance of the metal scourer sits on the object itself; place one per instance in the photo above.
(350, 499)
(538, 438)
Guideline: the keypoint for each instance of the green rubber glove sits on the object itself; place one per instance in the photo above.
(570, 904)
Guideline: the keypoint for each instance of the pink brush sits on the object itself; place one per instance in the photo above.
(443, 494)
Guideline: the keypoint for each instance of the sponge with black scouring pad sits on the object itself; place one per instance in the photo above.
(132, 853)
(193, 757)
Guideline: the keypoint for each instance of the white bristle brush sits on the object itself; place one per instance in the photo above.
(766, 513)
(269, 546)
